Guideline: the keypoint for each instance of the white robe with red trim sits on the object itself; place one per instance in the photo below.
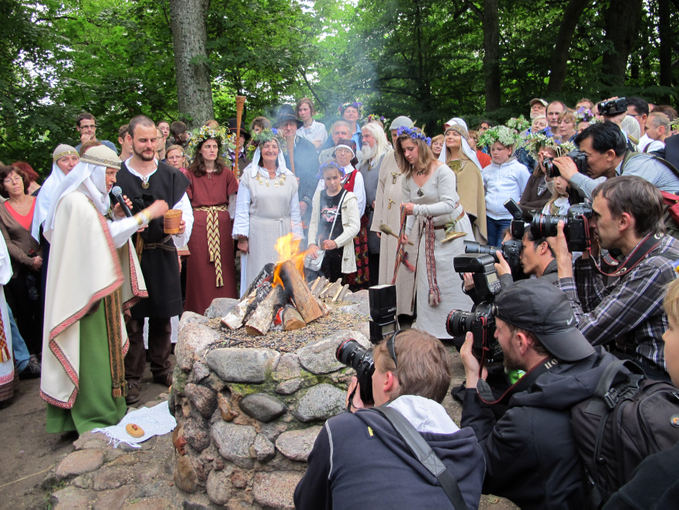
(84, 267)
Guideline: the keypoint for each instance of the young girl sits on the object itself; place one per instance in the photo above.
(504, 178)
(334, 223)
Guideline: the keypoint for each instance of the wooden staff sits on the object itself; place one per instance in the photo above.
(240, 104)
(291, 151)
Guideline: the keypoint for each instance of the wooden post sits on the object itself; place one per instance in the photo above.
(299, 292)
(240, 103)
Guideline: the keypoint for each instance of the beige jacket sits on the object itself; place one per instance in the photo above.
(351, 223)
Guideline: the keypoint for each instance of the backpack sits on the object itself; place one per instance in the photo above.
(628, 418)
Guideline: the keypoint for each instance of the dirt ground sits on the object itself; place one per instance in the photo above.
(29, 453)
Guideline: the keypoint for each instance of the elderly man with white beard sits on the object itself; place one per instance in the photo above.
(370, 158)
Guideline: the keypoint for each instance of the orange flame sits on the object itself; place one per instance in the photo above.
(287, 247)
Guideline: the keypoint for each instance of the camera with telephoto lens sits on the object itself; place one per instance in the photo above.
(354, 355)
(480, 321)
(510, 249)
(578, 157)
(576, 226)
(612, 107)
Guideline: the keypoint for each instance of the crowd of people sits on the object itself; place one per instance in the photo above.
(374, 202)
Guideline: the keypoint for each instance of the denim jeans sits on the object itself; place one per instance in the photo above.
(21, 355)
(495, 230)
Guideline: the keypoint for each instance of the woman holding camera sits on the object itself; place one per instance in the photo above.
(436, 224)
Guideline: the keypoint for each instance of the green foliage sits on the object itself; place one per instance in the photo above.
(422, 58)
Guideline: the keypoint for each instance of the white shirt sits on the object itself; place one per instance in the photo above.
(180, 240)
(316, 132)
(501, 183)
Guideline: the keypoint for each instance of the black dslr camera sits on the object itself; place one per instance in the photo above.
(383, 322)
(578, 157)
(576, 226)
(480, 321)
(510, 249)
(612, 107)
(353, 355)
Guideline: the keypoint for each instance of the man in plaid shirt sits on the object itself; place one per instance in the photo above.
(623, 312)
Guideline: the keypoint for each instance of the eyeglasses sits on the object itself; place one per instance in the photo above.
(12, 179)
(391, 348)
(88, 126)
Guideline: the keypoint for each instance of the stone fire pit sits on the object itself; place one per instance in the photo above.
(248, 409)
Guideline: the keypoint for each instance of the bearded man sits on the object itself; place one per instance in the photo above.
(370, 158)
(144, 180)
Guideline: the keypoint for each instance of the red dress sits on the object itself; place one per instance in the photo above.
(210, 270)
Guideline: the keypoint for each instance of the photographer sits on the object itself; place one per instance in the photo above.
(359, 460)
(607, 156)
(529, 448)
(623, 309)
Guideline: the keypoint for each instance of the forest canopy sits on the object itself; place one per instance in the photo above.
(430, 59)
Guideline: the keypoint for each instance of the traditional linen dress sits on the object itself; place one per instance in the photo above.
(6, 355)
(94, 275)
(437, 199)
(388, 199)
(210, 270)
(266, 209)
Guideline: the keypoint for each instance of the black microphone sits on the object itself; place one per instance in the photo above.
(117, 193)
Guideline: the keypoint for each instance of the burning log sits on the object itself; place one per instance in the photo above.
(258, 290)
(261, 319)
(292, 319)
(299, 292)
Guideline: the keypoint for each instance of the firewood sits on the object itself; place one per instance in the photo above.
(260, 320)
(340, 292)
(297, 289)
(292, 319)
(318, 285)
(239, 312)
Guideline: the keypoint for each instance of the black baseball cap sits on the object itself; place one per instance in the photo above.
(539, 307)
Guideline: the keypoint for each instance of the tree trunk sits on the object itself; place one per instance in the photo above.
(665, 33)
(189, 37)
(622, 22)
(491, 54)
(571, 15)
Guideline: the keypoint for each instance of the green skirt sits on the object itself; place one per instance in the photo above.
(94, 405)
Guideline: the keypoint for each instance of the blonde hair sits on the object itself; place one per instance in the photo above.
(671, 302)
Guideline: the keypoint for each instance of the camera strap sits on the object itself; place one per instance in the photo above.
(487, 396)
(639, 253)
(424, 453)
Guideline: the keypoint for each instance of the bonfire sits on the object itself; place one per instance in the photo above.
(280, 297)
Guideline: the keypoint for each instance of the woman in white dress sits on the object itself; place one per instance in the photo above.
(437, 225)
(267, 207)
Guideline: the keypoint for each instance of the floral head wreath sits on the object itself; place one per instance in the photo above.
(330, 164)
(266, 135)
(583, 114)
(414, 133)
(535, 141)
(503, 134)
(373, 117)
(519, 123)
(200, 135)
(355, 104)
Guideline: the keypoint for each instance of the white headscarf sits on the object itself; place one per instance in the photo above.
(43, 202)
(466, 149)
(88, 177)
(253, 167)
